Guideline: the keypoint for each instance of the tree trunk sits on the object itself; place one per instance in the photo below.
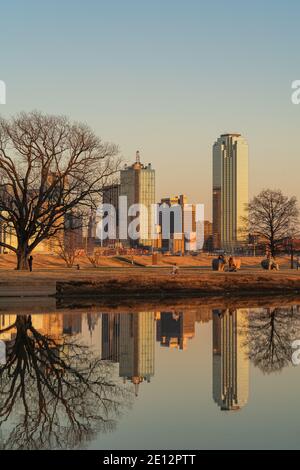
(292, 255)
(273, 249)
(22, 258)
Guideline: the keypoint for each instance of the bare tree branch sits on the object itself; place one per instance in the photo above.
(48, 167)
(273, 217)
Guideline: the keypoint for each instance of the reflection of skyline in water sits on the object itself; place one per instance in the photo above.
(127, 341)
(124, 338)
(230, 359)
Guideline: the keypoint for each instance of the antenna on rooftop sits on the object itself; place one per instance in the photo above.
(138, 157)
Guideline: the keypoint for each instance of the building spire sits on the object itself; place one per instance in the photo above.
(138, 157)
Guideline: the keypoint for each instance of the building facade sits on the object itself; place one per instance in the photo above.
(182, 238)
(208, 236)
(137, 183)
(230, 190)
(111, 196)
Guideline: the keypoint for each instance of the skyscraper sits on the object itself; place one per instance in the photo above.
(138, 185)
(110, 196)
(230, 359)
(230, 189)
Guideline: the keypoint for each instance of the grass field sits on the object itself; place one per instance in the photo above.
(44, 261)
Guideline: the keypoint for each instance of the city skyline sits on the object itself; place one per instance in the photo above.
(168, 98)
(149, 228)
(206, 371)
(130, 341)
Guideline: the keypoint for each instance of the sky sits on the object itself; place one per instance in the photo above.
(165, 77)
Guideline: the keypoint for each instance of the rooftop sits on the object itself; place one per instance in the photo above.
(231, 135)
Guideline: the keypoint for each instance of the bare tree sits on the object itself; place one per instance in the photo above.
(55, 391)
(48, 167)
(270, 335)
(95, 258)
(68, 248)
(272, 217)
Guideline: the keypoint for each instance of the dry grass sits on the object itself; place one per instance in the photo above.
(44, 261)
(202, 260)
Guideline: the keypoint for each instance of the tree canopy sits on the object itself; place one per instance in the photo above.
(272, 216)
(49, 167)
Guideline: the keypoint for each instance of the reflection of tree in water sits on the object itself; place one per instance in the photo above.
(270, 336)
(54, 392)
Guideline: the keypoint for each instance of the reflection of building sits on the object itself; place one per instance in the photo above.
(50, 325)
(5, 322)
(72, 324)
(91, 331)
(175, 329)
(230, 189)
(138, 185)
(56, 325)
(137, 341)
(110, 336)
(230, 359)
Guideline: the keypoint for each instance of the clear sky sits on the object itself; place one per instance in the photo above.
(165, 77)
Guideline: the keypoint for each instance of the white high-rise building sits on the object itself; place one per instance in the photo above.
(230, 190)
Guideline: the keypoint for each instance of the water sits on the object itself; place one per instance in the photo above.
(202, 374)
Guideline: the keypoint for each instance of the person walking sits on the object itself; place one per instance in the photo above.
(175, 270)
(30, 263)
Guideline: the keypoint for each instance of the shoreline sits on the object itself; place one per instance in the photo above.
(185, 284)
(141, 284)
(79, 305)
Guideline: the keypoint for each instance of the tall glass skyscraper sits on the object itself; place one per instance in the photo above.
(138, 185)
(230, 190)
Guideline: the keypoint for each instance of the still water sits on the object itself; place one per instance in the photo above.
(206, 375)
